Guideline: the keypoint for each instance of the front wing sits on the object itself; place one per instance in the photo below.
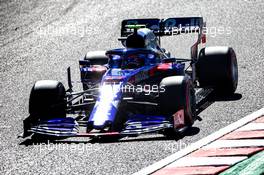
(69, 127)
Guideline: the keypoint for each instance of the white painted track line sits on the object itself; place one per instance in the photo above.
(160, 164)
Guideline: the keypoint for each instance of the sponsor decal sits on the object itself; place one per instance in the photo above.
(178, 119)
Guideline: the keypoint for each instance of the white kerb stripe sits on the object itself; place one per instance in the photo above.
(252, 127)
(206, 161)
(236, 143)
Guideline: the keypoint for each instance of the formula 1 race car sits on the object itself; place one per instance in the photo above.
(137, 89)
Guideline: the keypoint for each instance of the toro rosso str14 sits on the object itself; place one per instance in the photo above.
(137, 89)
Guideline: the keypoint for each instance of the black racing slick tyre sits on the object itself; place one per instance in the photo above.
(47, 100)
(217, 67)
(179, 94)
(96, 57)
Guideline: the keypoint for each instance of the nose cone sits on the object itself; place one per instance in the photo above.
(106, 106)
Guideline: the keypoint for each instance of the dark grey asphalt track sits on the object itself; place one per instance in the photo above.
(40, 39)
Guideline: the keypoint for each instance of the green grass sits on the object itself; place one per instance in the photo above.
(251, 166)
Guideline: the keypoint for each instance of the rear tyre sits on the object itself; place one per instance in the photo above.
(179, 94)
(96, 58)
(217, 68)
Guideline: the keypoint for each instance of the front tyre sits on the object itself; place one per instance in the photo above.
(179, 94)
(47, 100)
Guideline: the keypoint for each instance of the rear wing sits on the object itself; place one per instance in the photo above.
(165, 27)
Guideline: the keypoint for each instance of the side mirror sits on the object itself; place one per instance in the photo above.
(123, 40)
